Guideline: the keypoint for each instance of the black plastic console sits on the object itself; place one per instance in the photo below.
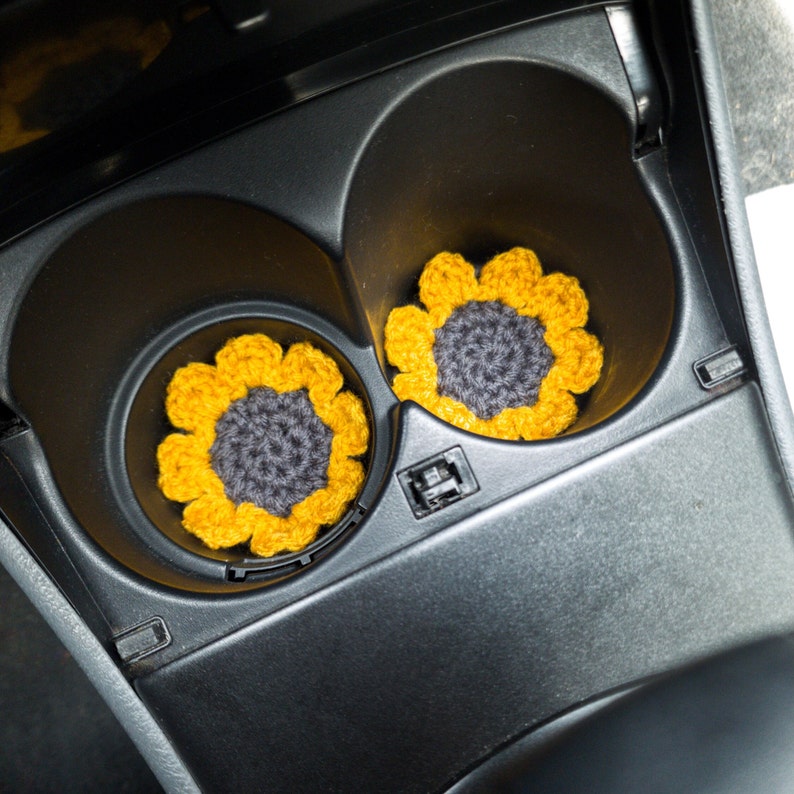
(420, 634)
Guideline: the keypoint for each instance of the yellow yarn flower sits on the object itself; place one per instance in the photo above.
(500, 355)
(267, 452)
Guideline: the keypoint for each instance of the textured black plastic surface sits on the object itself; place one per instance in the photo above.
(722, 727)
(538, 183)
(212, 79)
(351, 243)
(196, 266)
(672, 547)
(657, 531)
(491, 773)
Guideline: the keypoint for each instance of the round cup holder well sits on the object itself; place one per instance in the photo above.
(140, 411)
(493, 155)
(116, 309)
(475, 160)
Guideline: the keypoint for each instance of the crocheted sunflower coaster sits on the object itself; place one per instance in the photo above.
(267, 452)
(500, 355)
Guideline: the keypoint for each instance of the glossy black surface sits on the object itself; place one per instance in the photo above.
(208, 80)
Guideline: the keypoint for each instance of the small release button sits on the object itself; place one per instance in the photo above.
(141, 640)
(438, 482)
(722, 366)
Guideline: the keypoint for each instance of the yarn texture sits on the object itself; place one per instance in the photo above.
(267, 453)
(500, 355)
(272, 450)
(490, 357)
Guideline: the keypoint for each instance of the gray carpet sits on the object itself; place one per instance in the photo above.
(756, 46)
(56, 733)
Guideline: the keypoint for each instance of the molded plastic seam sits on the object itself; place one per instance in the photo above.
(738, 229)
(87, 651)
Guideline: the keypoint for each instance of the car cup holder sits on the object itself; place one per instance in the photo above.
(493, 155)
(478, 160)
(138, 409)
(520, 140)
(93, 384)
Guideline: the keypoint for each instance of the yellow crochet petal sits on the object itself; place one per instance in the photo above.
(320, 508)
(253, 360)
(113, 33)
(23, 74)
(327, 505)
(184, 465)
(197, 396)
(346, 417)
(409, 339)
(557, 412)
(456, 413)
(305, 366)
(558, 302)
(12, 131)
(213, 519)
(554, 411)
(417, 386)
(448, 281)
(345, 478)
(510, 277)
(151, 41)
(579, 357)
(507, 424)
(273, 535)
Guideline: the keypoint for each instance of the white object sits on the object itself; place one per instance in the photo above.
(771, 216)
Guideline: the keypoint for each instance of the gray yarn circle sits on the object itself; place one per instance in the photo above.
(490, 357)
(271, 450)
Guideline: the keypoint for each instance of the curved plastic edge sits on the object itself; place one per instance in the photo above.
(738, 231)
(491, 773)
(95, 662)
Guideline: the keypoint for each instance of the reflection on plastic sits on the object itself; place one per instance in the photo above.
(52, 82)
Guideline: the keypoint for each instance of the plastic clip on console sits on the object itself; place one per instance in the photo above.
(437, 482)
(719, 367)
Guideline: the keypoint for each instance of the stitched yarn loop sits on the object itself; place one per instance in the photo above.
(490, 357)
(268, 451)
(501, 354)
(271, 450)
